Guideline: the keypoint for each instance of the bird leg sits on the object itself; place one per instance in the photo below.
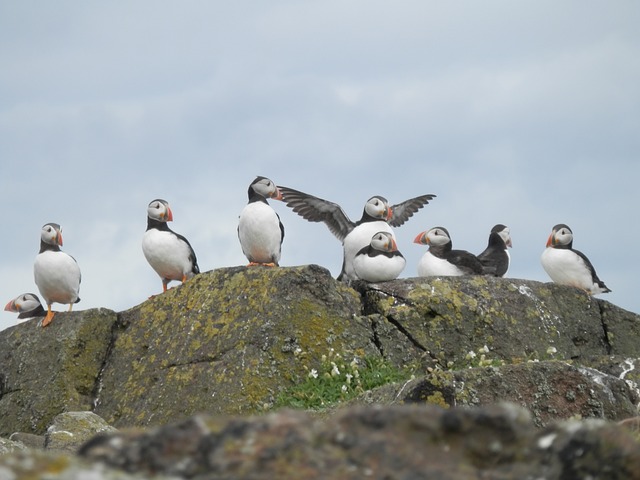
(70, 306)
(165, 282)
(47, 319)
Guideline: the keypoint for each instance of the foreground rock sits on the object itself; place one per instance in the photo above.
(420, 442)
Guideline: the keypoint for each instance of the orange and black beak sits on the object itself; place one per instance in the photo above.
(389, 213)
(551, 239)
(11, 307)
(394, 245)
(421, 239)
(169, 214)
(277, 195)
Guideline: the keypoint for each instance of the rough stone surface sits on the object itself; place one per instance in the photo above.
(417, 442)
(518, 320)
(230, 340)
(9, 446)
(226, 342)
(550, 390)
(40, 465)
(46, 371)
(70, 430)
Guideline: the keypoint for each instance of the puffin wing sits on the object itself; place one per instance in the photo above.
(401, 212)
(594, 275)
(316, 209)
(192, 254)
(466, 261)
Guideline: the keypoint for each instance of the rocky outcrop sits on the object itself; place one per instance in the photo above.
(231, 340)
(47, 371)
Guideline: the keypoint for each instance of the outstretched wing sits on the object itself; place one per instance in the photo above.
(403, 211)
(316, 209)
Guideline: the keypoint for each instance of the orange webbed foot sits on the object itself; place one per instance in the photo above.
(48, 317)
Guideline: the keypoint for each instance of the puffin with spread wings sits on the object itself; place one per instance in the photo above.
(377, 216)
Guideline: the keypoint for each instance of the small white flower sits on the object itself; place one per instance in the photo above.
(354, 363)
(344, 389)
(349, 377)
(485, 349)
(313, 373)
(334, 370)
(471, 354)
(552, 350)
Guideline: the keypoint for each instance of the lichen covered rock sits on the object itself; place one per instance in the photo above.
(446, 319)
(46, 371)
(70, 430)
(226, 342)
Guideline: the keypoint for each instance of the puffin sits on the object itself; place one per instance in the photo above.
(260, 230)
(377, 216)
(169, 253)
(568, 266)
(441, 259)
(56, 273)
(380, 261)
(495, 258)
(26, 306)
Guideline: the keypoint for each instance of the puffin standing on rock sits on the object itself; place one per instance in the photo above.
(380, 261)
(495, 258)
(26, 306)
(169, 253)
(568, 266)
(377, 216)
(56, 273)
(441, 259)
(260, 230)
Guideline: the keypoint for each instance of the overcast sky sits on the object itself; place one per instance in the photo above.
(523, 113)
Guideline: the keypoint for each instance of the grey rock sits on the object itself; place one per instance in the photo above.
(9, 446)
(70, 430)
(403, 442)
(30, 440)
(46, 371)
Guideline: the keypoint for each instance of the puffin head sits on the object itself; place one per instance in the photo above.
(561, 236)
(23, 303)
(504, 233)
(159, 210)
(51, 234)
(433, 236)
(378, 207)
(265, 188)
(384, 242)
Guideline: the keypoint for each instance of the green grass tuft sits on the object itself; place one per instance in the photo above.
(338, 380)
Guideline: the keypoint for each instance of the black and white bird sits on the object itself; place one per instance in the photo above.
(380, 261)
(260, 230)
(568, 266)
(26, 306)
(56, 273)
(495, 258)
(169, 253)
(441, 259)
(377, 216)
